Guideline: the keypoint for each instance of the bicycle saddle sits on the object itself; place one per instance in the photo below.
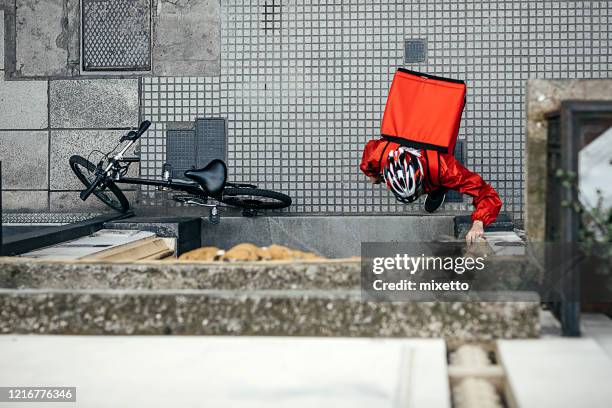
(212, 177)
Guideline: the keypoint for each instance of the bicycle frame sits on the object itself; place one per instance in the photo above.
(190, 187)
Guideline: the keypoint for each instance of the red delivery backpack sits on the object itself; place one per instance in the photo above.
(423, 112)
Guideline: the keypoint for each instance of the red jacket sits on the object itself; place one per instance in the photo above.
(452, 175)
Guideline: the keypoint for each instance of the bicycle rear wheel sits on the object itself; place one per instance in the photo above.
(108, 193)
(254, 198)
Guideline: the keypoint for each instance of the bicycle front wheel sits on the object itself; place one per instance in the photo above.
(108, 193)
(254, 198)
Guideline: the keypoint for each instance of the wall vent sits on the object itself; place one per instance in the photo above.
(116, 35)
(189, 146)
(415, 51)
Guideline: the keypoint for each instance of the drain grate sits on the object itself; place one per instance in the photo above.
(180, 150)
(195, 148)
(415, 51)
(116, 35)
(210, 134)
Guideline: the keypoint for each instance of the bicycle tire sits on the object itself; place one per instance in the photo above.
(118, 203)
(232, 196)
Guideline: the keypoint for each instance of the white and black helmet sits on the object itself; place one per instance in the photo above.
(404, 174)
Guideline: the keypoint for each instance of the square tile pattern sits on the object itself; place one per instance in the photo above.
(301, 99)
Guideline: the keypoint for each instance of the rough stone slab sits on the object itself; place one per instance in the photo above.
(65, 143)
(187, 38)
(235, 372)
(325, 235)
(305, 275)
(25, 200)
(557, 372)
(263, 313)
(69, 201)
(25, 159)
(47, 37)
(23, 104)
(94, 103)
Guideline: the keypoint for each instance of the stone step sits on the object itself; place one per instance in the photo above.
(238, 372)
(501, 274)
(558, 372)
(258, 312)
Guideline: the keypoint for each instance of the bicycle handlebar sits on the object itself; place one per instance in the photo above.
(134, 135)
(142, 128)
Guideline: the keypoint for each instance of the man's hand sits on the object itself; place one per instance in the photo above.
(476, 232)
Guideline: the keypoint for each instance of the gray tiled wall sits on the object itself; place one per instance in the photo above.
(301, 99)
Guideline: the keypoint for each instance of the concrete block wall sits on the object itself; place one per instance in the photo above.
(43, 123)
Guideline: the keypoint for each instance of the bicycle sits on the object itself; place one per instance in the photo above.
(208, 182)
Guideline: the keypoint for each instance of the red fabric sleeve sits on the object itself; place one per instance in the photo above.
(456, 177)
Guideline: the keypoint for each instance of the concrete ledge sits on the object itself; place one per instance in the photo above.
(329, 275)
(331, 236)
(217, 312)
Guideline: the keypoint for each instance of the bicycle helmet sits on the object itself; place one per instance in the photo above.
(403, 174)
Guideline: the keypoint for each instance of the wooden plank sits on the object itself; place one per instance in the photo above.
(115, 245)
(152, 248)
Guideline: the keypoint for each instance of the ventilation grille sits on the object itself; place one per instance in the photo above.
(415, 51)
(195, 148)
(116, 35)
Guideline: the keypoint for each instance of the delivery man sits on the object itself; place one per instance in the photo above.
(414, 156)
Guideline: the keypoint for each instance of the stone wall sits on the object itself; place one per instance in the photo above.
(43, 123)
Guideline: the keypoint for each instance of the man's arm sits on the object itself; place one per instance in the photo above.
(485, 199)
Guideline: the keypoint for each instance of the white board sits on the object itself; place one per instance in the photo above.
(595, 171)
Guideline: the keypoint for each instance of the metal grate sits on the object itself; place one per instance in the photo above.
(195, 148)
(116, 35)
(415, 51)
(211, 140)
(180, 150)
